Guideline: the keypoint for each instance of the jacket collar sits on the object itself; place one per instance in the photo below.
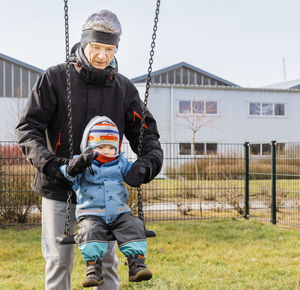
(99, 77)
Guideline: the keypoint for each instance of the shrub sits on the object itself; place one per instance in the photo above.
(11, 154)
(223, 168)
(16, 196)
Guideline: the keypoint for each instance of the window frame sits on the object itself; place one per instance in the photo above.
(261, 115)
(263, 152)
(205, 149)
(191, 113)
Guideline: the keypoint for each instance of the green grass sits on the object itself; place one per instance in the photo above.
(209, 254)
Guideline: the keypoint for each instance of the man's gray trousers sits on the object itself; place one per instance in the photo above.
(60, 258)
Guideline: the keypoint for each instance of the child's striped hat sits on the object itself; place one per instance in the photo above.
(104, 133)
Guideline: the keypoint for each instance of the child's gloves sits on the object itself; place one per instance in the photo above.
(140, 172)
(79, 164)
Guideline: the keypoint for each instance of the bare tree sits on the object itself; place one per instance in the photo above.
(13, 115)
(198, 116)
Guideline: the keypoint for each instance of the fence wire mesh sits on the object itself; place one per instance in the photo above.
(259, 186)
(288, 185)
(18, 203)
(196, 187)
(208, 184)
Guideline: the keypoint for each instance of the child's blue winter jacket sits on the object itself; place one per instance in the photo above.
(102, 194)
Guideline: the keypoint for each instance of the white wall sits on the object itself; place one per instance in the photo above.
(10, 112)
(233, 123)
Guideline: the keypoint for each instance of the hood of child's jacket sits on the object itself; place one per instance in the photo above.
(93, 121)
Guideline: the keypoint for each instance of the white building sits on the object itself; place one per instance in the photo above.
(16, 81)
(183, 97)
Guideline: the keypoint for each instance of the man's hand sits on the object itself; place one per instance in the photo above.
(80, 163)
(52, 170)
(140, 172)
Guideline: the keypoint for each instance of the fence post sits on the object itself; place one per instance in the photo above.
(273, 183)
(246, 168)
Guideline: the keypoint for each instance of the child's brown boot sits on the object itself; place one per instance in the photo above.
(137, 269)
(93, 274)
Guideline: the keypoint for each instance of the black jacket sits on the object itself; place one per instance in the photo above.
(43, 131)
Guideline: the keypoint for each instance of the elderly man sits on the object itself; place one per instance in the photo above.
(97, 89)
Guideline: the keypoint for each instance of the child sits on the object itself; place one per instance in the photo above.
(97, 175)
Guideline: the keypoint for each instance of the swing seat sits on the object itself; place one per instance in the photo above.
(150, 234)
(69, 240)
(65, 240)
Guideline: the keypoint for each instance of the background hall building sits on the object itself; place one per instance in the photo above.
(191, 106)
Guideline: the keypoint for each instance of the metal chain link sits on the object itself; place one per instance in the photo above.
(142, 128)
(69, 115)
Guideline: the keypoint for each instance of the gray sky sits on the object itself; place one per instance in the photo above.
(242, 41)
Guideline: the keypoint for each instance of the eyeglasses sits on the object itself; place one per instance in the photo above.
(109, 50)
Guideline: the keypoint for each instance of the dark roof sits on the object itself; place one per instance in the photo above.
(179, 65)
(20, 63)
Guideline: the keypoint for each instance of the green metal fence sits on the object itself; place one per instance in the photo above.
(228, 180)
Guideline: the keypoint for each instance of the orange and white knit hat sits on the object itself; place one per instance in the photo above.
(104, 133)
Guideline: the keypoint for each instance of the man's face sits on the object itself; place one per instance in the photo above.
(99, 55)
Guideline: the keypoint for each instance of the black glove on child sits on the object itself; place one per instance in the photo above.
(80, 163)
(140, 172)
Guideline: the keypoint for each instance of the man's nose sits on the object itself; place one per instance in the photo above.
(102, 53)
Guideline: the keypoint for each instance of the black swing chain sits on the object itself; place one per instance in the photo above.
(69, 116)
(142, 128)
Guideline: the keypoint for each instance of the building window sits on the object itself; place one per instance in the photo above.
(265, 149)
(211, 108)
(255, 149)
(170, 77)
(198, 107)
(280, 148)
(279, 109)
(157, 79)
(254, 109)
(17, 82)
(25, 89)
(8, 80)
(1, 79)
(185, 149)
(164, 78)
(211, 148)
(185, 78)
(266, 109)
(200, 149)
(178, 77)
(184, 107)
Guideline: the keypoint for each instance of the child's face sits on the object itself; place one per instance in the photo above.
(106, 149)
